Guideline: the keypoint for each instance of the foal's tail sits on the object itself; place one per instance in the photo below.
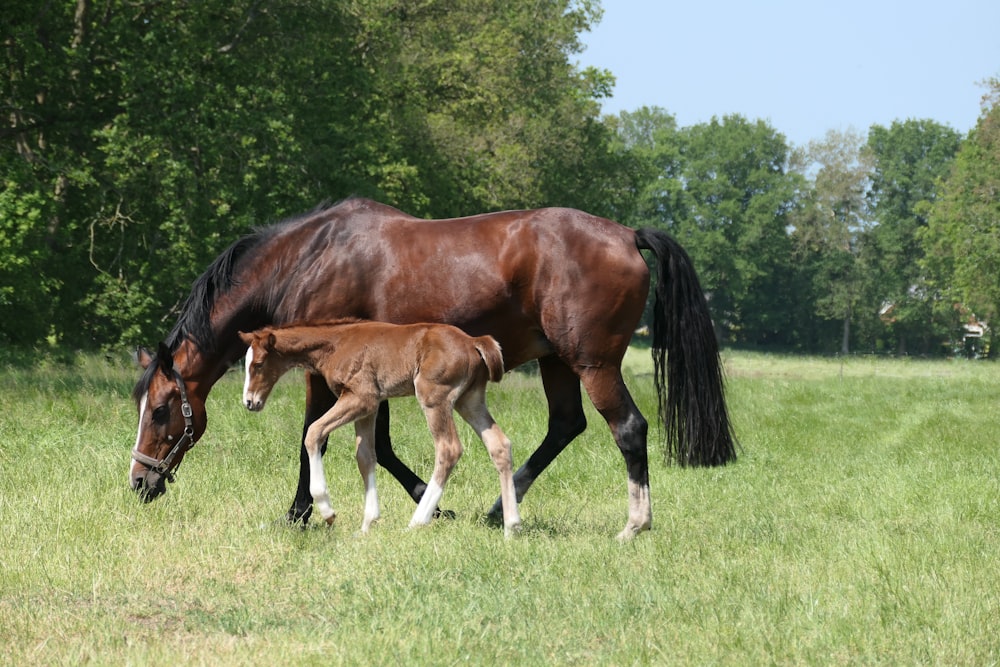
(687, 368)
(489, 350)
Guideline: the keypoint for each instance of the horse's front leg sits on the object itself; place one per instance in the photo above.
(315, 438)
(319, 399)
(364, 430)
(347, 409)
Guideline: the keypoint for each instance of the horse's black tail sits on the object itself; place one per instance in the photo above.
(687, 368)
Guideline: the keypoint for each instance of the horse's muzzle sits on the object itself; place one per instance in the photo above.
(150, 486)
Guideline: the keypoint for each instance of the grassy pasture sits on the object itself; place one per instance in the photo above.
(860, 525)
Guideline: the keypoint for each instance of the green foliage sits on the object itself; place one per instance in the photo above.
(25, 300)
(141, 138)
(910, 158)
(723, 190)
(144, 137)
(963, 232)
(741, 194)
(829, 226)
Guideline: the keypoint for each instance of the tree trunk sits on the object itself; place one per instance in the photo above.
(845, 342)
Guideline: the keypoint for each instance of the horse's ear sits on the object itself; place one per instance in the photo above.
(165, 358)
(247, 338)
(143, 357)
(272, 340)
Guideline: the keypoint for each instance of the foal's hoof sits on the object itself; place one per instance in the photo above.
(631, 530)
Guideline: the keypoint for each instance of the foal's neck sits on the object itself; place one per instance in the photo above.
(305, 346)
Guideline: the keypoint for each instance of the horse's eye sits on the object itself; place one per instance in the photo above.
(161, 415)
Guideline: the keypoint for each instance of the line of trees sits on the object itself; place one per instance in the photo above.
(139, 138)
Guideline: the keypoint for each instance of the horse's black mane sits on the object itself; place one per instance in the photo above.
(194, 321)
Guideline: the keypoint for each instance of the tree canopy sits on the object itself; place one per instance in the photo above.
(140, 138)
(963, 231)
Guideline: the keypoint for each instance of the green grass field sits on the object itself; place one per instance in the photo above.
(861, 525)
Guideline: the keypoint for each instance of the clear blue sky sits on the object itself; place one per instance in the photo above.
(804, 66)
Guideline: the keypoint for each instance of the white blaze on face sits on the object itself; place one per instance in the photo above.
(246, 382)
(138, 436)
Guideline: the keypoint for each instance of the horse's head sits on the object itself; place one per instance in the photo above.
(171, 419)
(262, 372)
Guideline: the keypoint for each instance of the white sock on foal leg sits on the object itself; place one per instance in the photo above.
(371, 503)
(428, 503)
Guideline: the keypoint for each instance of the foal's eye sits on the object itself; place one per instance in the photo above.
(161, 415)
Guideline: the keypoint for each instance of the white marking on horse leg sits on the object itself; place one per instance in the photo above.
(503, 458)
(371, 502)
(522, 482)
(640, 512)
(428, 503)
(317, 487)
(500, 449)
(132, 472)
(364, 430)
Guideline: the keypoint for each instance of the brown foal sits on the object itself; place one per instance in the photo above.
(365, 363)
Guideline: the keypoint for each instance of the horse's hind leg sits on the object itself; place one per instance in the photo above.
(607, 390)
(566, 421)
(364, 430)
(447, 450)
(472, 407)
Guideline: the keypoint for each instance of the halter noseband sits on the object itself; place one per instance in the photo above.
(161, 467)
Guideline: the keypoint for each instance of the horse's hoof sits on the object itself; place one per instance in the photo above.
(295, 516)
(445, 514)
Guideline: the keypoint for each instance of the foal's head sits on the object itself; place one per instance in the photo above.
(264, 366)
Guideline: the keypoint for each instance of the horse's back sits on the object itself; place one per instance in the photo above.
(540, 281)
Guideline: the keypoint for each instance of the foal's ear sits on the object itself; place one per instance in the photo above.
(143, 357)
(247, 338)
(272, 340)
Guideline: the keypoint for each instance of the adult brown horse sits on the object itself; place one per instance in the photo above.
(557, 285)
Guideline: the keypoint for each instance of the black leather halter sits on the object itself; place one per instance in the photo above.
(161, 467)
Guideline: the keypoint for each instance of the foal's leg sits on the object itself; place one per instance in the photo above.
(607, 390)
(364, 430)
(447, 450)
(347, 409)
(319, 399)
(566, 421)
(472, 407)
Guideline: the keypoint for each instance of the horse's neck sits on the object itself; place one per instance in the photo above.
(199, 370)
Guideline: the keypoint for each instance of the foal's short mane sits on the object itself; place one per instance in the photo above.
(319, 323)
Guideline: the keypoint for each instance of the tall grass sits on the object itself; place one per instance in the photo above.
(861, 524)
